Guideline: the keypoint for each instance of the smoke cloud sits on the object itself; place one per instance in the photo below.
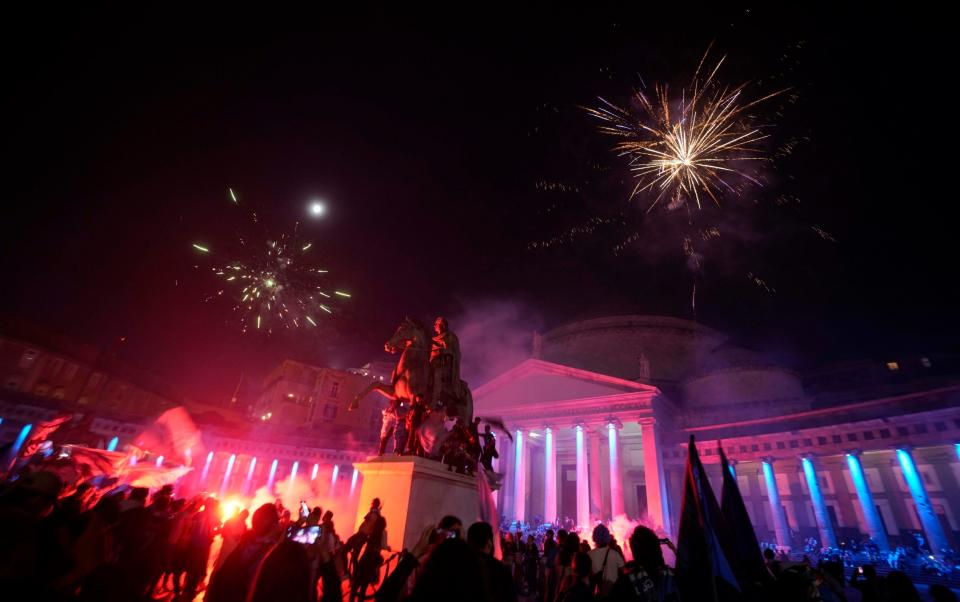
(495, 335)
(622, 528)
(315, 492)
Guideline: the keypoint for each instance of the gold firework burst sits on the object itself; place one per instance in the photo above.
(697, 148)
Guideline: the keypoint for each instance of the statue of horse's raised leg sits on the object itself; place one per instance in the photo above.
(381, 388)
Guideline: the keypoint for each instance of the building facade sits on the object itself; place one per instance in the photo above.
(310, 433)
(299, 395)
(600, 418)
(602, 415)
(34, 363)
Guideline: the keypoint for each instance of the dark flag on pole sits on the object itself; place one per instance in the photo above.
(703, 568)
(748, 561)
(497, 423)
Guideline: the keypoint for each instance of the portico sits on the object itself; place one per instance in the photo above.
(586, 446)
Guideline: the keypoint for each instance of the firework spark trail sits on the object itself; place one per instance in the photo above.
(689, 147)
(690, 152)
(575, 232)
(823, 233)
(760, 282)
(274, 284)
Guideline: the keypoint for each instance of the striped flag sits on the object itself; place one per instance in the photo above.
(703, 569)
(748, 562)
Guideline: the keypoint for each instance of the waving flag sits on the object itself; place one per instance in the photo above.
(488, 509)
(703, 568)
(173, 435)
(41, 433)
(747, 560)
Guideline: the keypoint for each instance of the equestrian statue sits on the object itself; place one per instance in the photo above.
(426, 393)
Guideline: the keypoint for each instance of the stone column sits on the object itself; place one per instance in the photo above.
(874, 525)
(583, 480)
(827, 536)
(616, 476)
(780, 524)
(226, 475)
(950, 481)
(756, 503)
(505, 467)
(549, 475)
(519, 474)
(596, 495)
(657, 506)
(249, 479)
(530, 481)
(936, 537)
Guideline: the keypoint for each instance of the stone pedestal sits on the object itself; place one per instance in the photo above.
(415, 492)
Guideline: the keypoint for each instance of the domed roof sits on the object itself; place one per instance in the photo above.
(734, 377)
(636, 322)
(650, 349)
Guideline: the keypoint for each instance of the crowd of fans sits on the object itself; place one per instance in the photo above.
(126, 545)
(130, 545)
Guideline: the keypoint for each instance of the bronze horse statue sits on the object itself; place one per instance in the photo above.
(412, 374)
(410, 384)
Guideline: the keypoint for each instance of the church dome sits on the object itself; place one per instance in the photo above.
(735, 376)
(651, 349)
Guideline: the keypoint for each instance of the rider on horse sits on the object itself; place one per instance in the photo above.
(427, 377)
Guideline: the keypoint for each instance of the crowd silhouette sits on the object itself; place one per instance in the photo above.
(87, 542)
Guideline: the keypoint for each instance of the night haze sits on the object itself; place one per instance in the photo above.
(425, 142)
(617, 302)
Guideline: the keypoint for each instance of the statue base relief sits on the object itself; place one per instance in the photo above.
(414, 493)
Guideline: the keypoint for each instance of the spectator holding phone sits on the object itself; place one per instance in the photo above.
(450, 569)
(451, 526)
(865, 580)
(647, 578)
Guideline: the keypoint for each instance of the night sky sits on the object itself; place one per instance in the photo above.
(427, 135)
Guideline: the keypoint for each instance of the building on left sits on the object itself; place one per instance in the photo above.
(298, 421)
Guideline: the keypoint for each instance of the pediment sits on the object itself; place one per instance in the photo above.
(536, 382)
